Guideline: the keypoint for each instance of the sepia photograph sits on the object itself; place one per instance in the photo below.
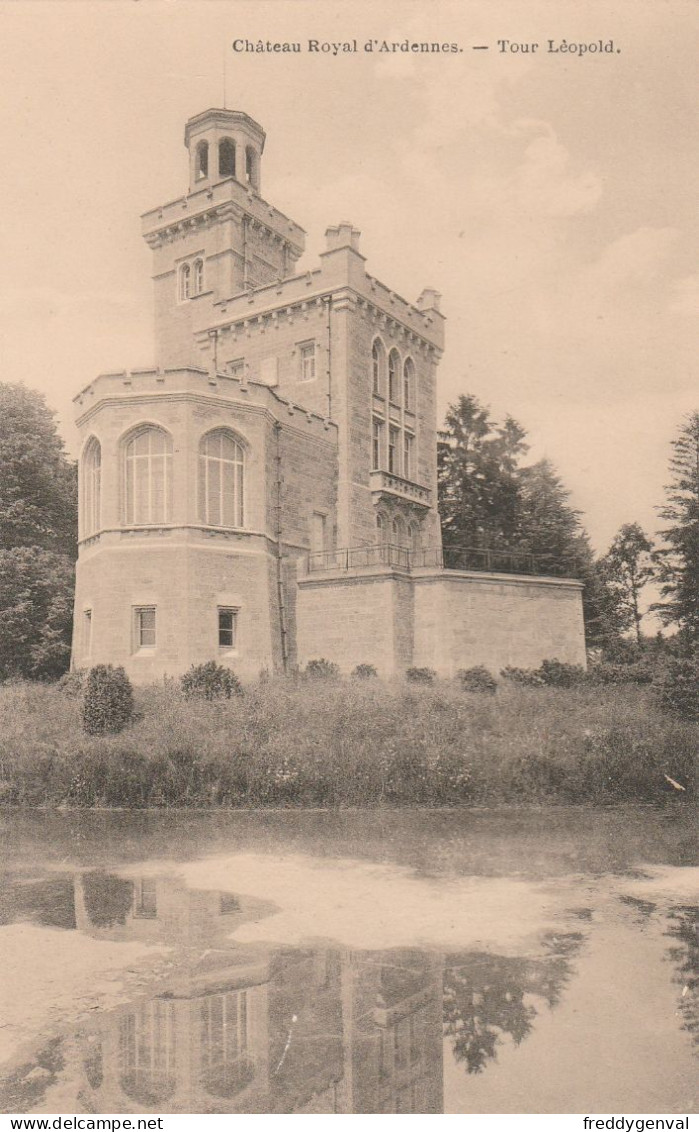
(349, 560)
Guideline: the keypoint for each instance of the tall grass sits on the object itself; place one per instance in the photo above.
(353, 743)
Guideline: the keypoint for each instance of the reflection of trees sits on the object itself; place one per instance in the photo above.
(484, 996)
(685, 929)
(25, 1087)
(108, 899)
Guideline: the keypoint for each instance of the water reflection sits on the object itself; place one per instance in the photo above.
(233, 1027)
(684, 928)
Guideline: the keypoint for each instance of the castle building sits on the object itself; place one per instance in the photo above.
(267, 493)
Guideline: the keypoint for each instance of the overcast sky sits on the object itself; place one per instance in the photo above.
(550, 198)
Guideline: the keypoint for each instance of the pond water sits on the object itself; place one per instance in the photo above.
(427, 962)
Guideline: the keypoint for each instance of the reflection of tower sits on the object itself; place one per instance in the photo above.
(393, 1015)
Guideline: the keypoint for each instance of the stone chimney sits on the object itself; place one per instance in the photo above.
(429, 300)
(344, 235)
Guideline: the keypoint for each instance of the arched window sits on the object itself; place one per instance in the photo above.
(226, 1067)
(226, 158)
(381, 529)
(409, 384)
(148, 478)
(378, 357)
(398, 531)
(92, 474)
(221, 480)
(414, 538)
(185, 282)
(393, 376)
(198, 277)
(251, 167)
(202, 166)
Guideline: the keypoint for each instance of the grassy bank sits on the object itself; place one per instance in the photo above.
(355, 743)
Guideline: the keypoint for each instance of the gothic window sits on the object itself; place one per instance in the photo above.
(408, 444)
(92, 473)
(226, 158)
(414, 536)
(408, 384)
(226, 1065)
(393, 376)
(377, 367)
(148, 478)
(376, 439)
(381, 529)
(398, 531)
(202, 166)
(185, 282)
(393, 451)
(147, 1050)
(198, 277)
(221, 480)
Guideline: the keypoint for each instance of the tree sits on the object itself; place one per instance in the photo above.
(625, 570)
(477, 466)
(38, 538)
(678, 560)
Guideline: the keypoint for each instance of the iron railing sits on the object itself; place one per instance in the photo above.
(481, 559)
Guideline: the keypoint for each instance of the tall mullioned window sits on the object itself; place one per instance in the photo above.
(144, 627)
(92, 484)
(394, 376)
(226, 627)
(376, 442)
(394, 451)
(197, 277)
(185, 282)
(377, 366)
(221, 480)
(148, 478)
(409, 384)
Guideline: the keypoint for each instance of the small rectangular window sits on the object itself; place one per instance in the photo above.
(87, 631)
(308, 361)
(226, 627)
(144, 627)
(236, 368)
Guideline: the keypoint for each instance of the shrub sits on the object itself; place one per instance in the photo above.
(530, 677)
(550, 673)
(72, 684)
(421, 675)
(210, 681)
(477, 679)
(556, 674)
(322, 670)
(108, 703)
(603, 673)
(365, 671)
(677, 690)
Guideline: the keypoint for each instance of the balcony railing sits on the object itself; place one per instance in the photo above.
(446, 558)
(388, 482)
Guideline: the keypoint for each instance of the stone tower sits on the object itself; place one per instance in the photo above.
(267, 492)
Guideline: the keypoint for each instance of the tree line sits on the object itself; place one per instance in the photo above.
(490, 497)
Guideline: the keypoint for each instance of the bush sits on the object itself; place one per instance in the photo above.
(365, 671)
(421, 675)
(477, 679)
(550, 673)
(322, 670)
(108, 704)
(602, 673)
(556, 674)
(210, 681)
(677, 690)
(72, 684)
(530, 677)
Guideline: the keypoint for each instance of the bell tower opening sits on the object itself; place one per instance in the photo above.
(224, 144)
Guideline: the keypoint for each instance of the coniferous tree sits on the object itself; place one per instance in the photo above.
(678, 560)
